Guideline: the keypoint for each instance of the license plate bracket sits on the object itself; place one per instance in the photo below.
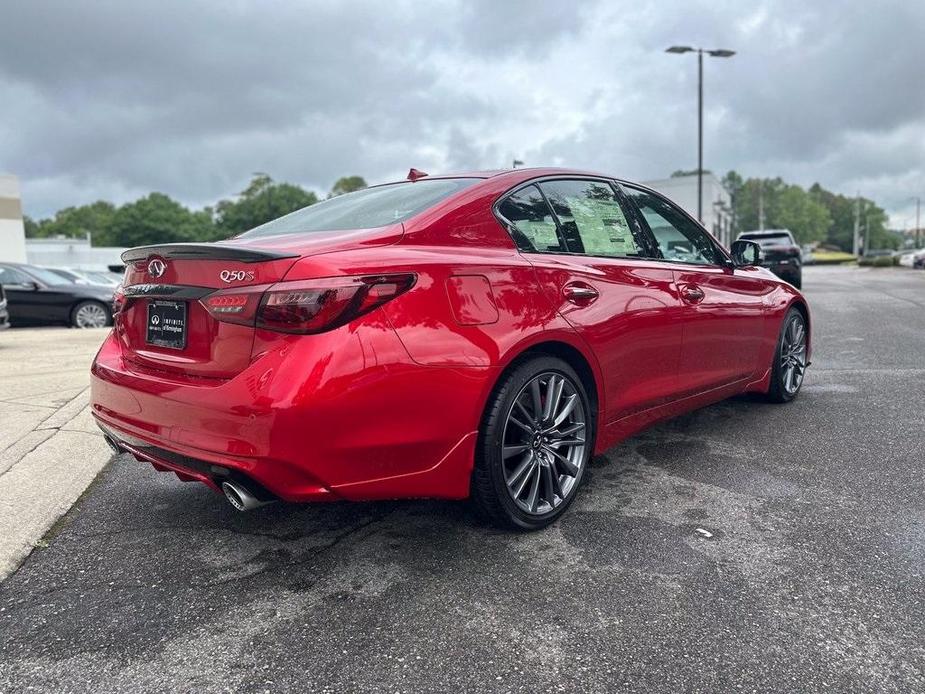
(166, 325)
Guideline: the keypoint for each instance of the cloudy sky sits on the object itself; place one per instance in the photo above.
(115, 99)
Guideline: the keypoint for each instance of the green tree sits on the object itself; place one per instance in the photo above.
(31, 227)
(262, 201)
(785, 206)
(77, 222)
(793, 208)
(158, 219)
(733, 183)
(871, 217)
(347, 184)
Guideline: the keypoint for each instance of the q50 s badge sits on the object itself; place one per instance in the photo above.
(237, 276)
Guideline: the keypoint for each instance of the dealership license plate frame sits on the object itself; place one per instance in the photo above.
(160, 337)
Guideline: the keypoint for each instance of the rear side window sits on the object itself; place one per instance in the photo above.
(10, 276)
(532, 224)
(591, 218)
(365, 209)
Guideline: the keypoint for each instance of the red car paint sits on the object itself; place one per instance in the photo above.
(389, 404)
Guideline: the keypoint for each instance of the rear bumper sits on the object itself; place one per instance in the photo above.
(346, 414)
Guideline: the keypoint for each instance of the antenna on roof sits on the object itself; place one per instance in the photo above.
(414, 174)
(516, 163)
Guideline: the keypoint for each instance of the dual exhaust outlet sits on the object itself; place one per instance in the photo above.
(237, 494)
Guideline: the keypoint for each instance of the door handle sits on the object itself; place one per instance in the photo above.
(580, 293)
(692, 294)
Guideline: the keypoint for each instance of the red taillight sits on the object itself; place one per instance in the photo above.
(306, 306)
(238, 305)
(313, 306)
(118, 300)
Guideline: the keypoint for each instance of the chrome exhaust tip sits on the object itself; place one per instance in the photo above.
(241, 497)
(113, 444)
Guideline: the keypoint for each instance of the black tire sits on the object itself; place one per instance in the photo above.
(490, 492)
(95, 307)
(779, 391)
(798, 280)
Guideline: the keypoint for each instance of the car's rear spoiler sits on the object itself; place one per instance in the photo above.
(202, 251)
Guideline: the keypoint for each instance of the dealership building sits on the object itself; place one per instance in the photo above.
(12, 232)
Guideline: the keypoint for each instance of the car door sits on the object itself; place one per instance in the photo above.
(593, 264)
(22, 294)
(723, 307)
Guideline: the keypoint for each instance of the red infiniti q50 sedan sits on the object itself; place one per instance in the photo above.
(476, 335)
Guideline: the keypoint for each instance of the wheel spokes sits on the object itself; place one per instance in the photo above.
(509, 451)
(544, 445)
(536, 398)
(565, 410)
(793, 354)
(534, 495)
(572, 429)
(522, 475)
(553, 394)
(569, 466)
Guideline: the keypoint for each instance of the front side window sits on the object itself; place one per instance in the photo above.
(532, 224)
(678, 238)
(365, 209)
(592, 220)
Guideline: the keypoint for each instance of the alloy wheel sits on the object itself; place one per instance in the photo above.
(544, 443)
(91, 316)
(793, 354)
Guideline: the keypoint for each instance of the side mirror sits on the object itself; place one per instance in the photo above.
(745, 253)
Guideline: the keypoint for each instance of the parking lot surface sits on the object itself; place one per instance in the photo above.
(746, 546)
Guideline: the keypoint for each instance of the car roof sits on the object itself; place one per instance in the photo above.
(517, 176)
(525, 173)
(767, 232)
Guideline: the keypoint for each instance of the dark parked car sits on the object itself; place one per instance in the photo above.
(780, 253)
(4, 313)
(36, 296)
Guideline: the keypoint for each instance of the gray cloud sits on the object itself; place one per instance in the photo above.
(113, 99)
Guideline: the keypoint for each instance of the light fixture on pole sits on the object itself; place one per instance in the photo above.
(716, 53)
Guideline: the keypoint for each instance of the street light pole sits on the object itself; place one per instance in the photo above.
(918, 229)
(700, 136)
(716, 53)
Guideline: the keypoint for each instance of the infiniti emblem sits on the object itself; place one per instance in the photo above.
(157, 267)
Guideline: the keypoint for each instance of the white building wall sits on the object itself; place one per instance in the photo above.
(77, 254)
(12, 232)
(717, 205)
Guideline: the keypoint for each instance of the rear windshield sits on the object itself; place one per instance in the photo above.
(365, 209)
(768, 239)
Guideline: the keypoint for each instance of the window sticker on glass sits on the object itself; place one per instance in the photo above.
(603, 226)
(542, 233)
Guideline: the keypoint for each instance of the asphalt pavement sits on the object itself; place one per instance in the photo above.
(746, 546)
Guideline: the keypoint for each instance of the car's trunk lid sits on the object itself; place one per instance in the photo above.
(163, 324)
